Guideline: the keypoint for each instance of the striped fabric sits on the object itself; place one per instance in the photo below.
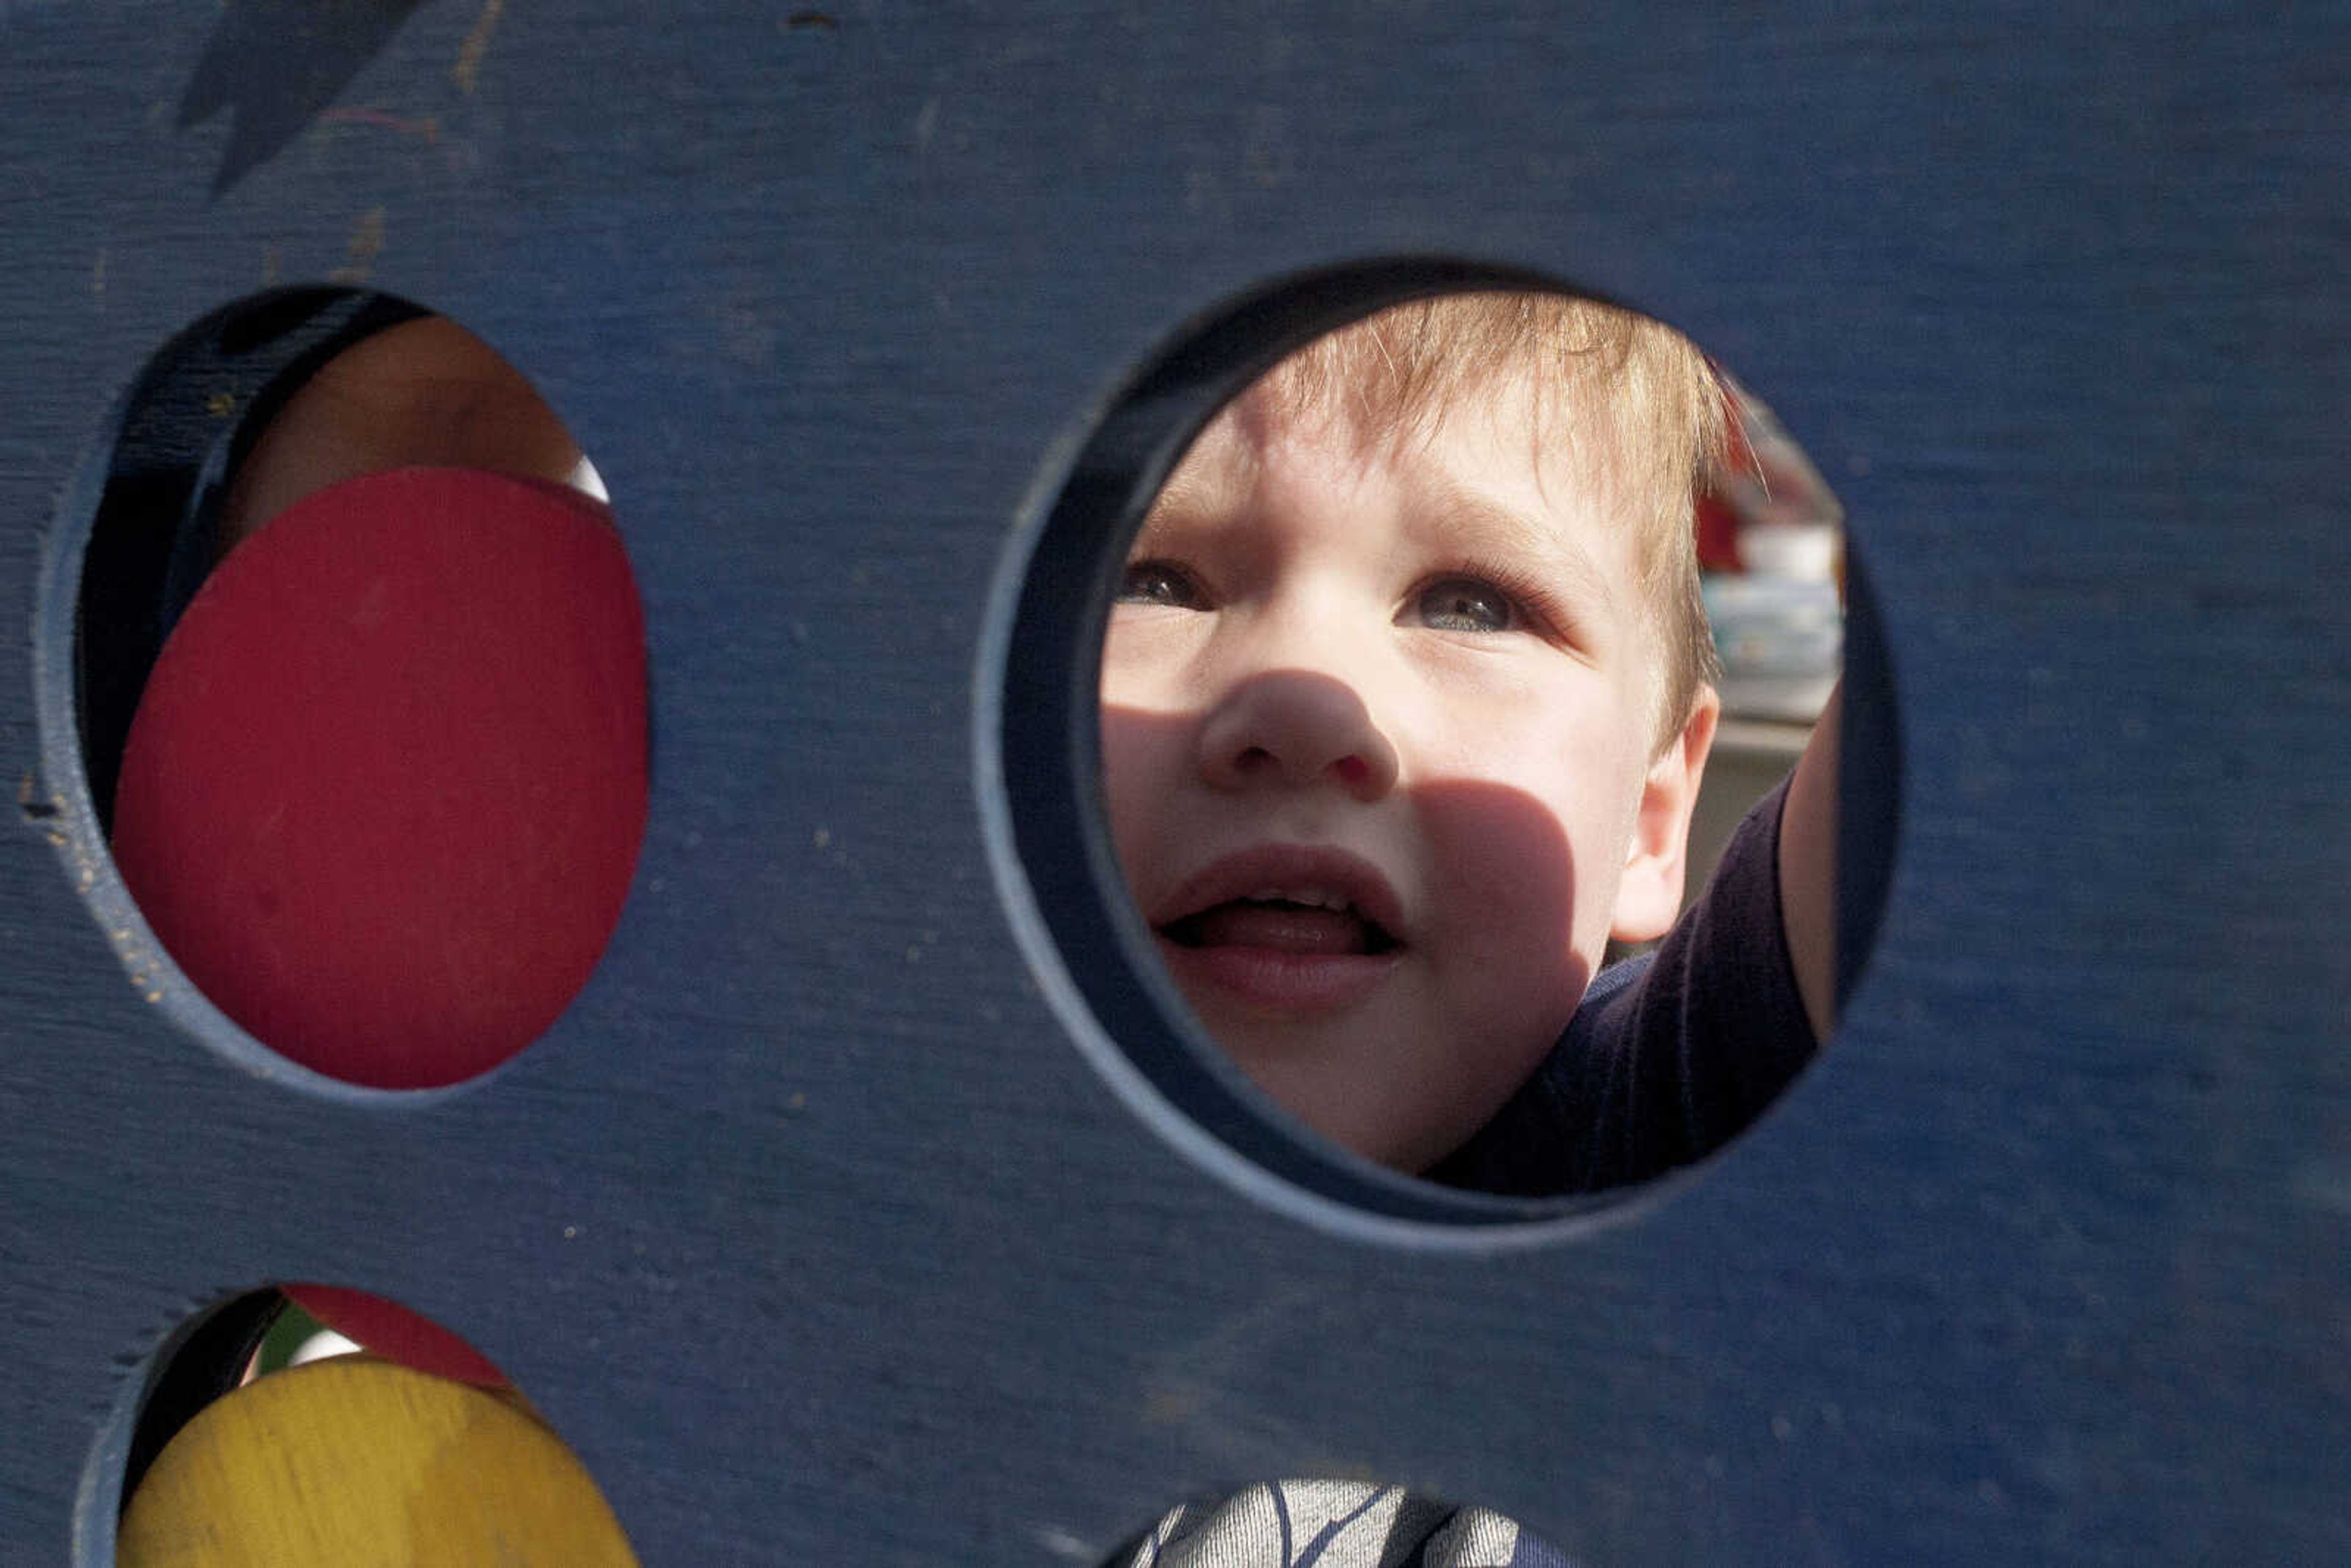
(1337, 1524)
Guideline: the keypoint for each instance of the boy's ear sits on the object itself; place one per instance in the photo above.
(1650, 895)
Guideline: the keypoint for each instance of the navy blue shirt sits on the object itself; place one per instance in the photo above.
(1670, 1054)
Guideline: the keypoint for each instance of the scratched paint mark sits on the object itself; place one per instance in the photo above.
(469, 69)
(428, 126)
(1064, 1544)
(30, 801)
(367, 244)
(221, 405)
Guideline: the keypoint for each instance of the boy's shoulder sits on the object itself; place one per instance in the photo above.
(1671, 1053)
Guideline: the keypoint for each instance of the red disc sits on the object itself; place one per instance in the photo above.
(383, 793)
(395, 1334)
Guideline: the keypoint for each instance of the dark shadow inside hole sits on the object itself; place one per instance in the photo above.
(182, 432)
(211, 1360)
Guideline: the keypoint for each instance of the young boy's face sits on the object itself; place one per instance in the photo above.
(1379, 726)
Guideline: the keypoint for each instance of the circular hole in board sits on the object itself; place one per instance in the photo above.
(1363, 641)
(357, 705)
(318, 1424)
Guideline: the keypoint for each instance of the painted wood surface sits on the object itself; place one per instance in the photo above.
(811, 1226)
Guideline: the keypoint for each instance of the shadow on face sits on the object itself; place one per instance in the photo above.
(1387, 963)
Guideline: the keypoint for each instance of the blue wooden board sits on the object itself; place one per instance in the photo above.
(814, 1227)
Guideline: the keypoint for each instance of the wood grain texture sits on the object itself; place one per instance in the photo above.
(812, 1229)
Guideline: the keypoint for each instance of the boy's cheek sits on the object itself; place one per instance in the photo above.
(1140, 648)
(1128, 669)
(1496, 852)
(1137, 750)
(1504, 934)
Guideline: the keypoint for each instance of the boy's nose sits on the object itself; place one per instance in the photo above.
(1295, 728)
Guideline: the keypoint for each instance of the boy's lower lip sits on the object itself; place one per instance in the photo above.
(1272, 980)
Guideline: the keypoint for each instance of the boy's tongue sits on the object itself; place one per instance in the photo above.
(1284, 927)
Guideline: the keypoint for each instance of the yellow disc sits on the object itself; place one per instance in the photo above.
(357, 1463)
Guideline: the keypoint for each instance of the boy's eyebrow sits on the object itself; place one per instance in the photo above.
(1486, 526)
(1186, 493)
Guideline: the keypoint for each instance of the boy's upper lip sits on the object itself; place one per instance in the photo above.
(1288, 869)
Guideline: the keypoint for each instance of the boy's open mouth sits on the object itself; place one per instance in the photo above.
(1284, 931)
(1307, 922)
(1294, 901)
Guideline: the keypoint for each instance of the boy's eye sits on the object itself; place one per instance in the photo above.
(1162, 583)
(1466, 604)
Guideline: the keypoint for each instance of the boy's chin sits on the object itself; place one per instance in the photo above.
(1408, 1135)
(1354, 1081)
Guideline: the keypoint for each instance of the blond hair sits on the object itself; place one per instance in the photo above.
(1630, 402)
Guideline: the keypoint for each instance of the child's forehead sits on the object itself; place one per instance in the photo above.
(1500, 433)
